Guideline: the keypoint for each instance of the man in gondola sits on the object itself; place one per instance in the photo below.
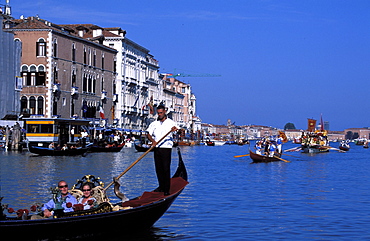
(162, 151)
(65, 198)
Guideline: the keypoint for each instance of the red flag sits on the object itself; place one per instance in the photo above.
(101, 112)
(311, 125)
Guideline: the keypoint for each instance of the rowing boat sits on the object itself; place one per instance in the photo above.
(260, 158)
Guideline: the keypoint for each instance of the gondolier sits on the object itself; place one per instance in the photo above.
(162, 151)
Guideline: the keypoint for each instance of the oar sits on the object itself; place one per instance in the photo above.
(241, 155)
(134, 163)
(333, 148)
(287, 154)
(292, 149)
(281, 159)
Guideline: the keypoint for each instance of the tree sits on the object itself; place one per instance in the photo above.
(289, 126)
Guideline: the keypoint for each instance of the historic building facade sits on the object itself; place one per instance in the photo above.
(66, 70)
(137, 83)
(10, 55)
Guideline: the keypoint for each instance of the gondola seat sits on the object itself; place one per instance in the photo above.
(177, 184)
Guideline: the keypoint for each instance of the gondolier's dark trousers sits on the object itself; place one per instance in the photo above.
(162, 160)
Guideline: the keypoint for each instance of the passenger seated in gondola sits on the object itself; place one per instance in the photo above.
(87, 200)
(59, 147)
(51, 145)
(258, 148)
(272, 149)
(65, 147)
(64, 199)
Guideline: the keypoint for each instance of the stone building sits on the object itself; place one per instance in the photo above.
(66, 70)
(138, 85)
(10, 55)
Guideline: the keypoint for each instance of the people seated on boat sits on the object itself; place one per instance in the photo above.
(279, 143)
(65, 147)
(72, 147)
(51, 145)
(258, 147)
(87, 200)
(58, 148)
(272, 149)
(65, 198)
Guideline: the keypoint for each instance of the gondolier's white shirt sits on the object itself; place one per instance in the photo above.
(157, 129)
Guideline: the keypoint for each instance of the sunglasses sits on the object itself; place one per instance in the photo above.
(86, 190)
(63, 186)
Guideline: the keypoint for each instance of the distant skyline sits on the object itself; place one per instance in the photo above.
(279, 61)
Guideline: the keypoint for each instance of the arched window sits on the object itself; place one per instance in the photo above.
(32, 105)
(40, 75)
(40, 105)
(32, 75)
(24, 109)
(40, 48)
(26, 78)
(55, 48)
(73, 52)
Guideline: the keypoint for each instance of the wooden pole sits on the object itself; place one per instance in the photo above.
(134, 163)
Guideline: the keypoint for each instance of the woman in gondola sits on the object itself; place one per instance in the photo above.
(87, 200)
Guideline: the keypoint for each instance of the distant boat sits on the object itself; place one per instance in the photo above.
(107, 149)
(43, 151)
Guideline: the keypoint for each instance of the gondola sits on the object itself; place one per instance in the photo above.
(43, 151)
(259, 158)
(314, 148)
(96, 148)
(139, 214)
(140, 148)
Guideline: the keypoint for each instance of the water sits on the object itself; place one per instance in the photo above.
(314, 197)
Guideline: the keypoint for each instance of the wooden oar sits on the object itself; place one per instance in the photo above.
(281, 159)
(134, 163)
(287, 155)
(241, 155)
(292, 149)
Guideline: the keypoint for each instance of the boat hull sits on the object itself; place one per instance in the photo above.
(106, 149)
(259, 158)
(42, 151)
(314, 149)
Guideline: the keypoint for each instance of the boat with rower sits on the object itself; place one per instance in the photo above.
(263, 158)
(315, 141)
(136, 214)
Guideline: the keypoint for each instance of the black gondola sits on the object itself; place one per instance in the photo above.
(140, 148)
(144, 212)
(106, 149)
(43, 151)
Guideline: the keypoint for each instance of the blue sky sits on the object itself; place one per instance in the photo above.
(279, 61)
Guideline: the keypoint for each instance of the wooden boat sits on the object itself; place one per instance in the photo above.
(260, 158)
(343, 148)
(314, 148)
(96, 148)
(141, 148)
(43, 151)
(210, 143)
(139, 214)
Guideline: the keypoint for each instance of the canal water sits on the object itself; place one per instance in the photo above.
(321, 196)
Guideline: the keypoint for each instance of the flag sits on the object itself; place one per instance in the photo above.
(282, 135)
(101, 112)
(311, 125)
(151, 108)
(84, 106)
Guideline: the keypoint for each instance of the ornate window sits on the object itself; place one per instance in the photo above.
(40, 48)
